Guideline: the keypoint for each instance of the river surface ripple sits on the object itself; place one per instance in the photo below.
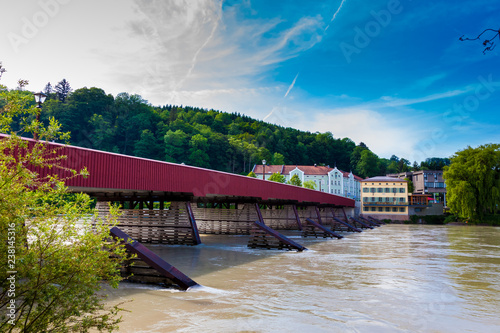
(396, 278)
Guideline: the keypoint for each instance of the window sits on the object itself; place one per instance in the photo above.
(365, 190)
(373, 209)
(402, 190)
(373, 199)
(394, 190)
(380, 199)
(365, 209)
(372, 190)
(387, 199)
(380, 190)
(387, 209)
(387, 190)
(402, 209)
(380, 209)
(365, 199)
(401, 199)
(394, 209)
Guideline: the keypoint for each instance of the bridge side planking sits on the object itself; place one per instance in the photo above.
(347, 225)
(279, 237)
(149, 257)
(324, 229)
(362, 223)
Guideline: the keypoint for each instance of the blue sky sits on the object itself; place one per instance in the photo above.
(392, 74)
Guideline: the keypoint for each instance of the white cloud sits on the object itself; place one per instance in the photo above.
(191, 46)
(383, 135)
(392, 101)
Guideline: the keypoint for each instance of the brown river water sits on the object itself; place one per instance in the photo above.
(395, 278)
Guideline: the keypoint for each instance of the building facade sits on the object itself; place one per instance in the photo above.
(325, 179)
(385, 198)
(429, 182)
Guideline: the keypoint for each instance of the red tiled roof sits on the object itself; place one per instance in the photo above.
(307, 169)
(270, 169)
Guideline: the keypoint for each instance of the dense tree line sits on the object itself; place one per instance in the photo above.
(232, 142)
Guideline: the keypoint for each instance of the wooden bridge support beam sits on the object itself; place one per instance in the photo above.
(154, 270)
(361, 224)
(297, 217)
(370, 222)
(312, 228)
(338, 224)
(280, 217)
(263, 236)
(175, 225)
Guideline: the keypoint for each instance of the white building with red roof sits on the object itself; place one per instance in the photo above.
(326, 179)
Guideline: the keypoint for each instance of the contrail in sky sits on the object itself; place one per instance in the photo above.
(295, 79)
(194, 60)
(335, 15)
(291, 85)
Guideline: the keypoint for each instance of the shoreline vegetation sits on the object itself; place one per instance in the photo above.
(449, 219)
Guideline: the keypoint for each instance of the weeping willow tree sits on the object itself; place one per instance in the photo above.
(473, 181)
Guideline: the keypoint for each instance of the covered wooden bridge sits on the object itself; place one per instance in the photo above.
(172, 203)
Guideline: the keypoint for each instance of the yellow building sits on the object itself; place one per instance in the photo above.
(385, 198)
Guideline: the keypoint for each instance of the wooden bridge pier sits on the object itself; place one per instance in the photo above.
(339, 225)
(281, 217)
(173, 225)
(249, 219)
(225, 218)
(369, 221)
(149, 267)
(360, 224)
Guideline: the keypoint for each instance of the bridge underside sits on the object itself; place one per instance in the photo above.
(179, 218)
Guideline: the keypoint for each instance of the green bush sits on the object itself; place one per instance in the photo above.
(427, 219)
(450, 218)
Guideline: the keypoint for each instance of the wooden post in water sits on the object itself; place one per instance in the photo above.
(154, 261)
(192, 221)
(297, 217)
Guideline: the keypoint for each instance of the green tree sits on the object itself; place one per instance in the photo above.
(277, 177)
(310, 184)
(473, 181)
(147, 146)
(356, 155)
(252, 174)
(368, 164)
(198, 151)
(176, 144)
(60, 256)
(295, 180)
(411, 187)
(62, 90)
(278, 159)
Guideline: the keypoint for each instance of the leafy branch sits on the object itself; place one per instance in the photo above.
(488, 43)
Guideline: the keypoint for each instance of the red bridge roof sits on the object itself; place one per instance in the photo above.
(112, 173)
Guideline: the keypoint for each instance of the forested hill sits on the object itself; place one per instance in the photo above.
(127, 124)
